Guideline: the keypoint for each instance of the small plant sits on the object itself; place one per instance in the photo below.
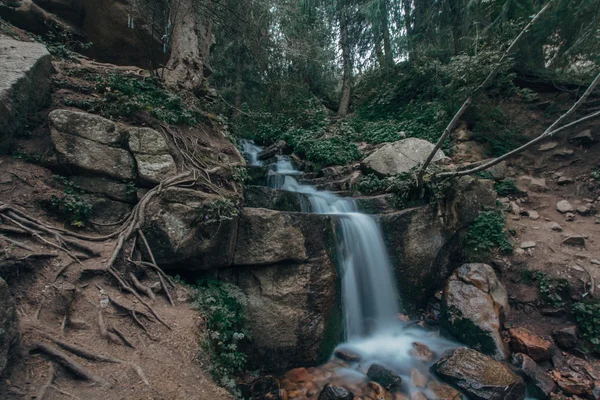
(222, 209)
(70, 206)
(371, 184)
(506, 187)
(587, 315)
(595, 174)
(486, 235)
(34, 158)
(553, 291)
(223, 305)
(240, 174)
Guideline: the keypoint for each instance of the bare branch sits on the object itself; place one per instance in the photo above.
(469, 100)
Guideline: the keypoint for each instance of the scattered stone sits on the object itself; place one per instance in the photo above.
(334, 392)
(443, 391)
(563, 153)
(585, 209)
(534, 215)
(519, 251)
(399, 157)
(528, 245)
(417, 378)
(9, 328)
(422, 352)
(557, 175)
(538, 185)
(538, 381)
(515, 209)
(566, 337)
(563, 180)
(473, 308)
(595, 262)
(555, 226)
(297, 375)
(377, 392)
(347, 355)
(480, 376)
(570, 216)
(583, 137)
(548, 146)
(535, 346)
(384, 376)
(572, 382)
(498, 171)
(574, 240)
(564, 206)
(577, 268)
(524, 180)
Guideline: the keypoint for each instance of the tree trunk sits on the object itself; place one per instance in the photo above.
(387, 46)
(378, 50)
(190, 44)
(345, 45)
(239, 87)
(409, 28)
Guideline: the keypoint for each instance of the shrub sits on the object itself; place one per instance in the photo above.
(70, 206)
(486, 235)
(223, 306)
(506, 187)
(587, 315)
(371, 184)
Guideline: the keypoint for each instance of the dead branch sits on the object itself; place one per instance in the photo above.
(46, 385)
(69, 363)
(469, 100)
(495, 161)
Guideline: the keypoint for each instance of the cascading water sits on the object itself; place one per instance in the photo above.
(369, 294)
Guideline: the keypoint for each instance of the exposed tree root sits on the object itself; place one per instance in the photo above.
(123, 337)
(70, 364)
(16, 243)
(59, 390)
(61, 270)
(109, 336)
(142, 288)
(51, 373)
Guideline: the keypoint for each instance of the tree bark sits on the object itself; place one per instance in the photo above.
(345, 45)
(239, 87)
(190, 44)
(387, 45)
(378, 49)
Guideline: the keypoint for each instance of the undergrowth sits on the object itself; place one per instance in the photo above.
(70, 205)
(506, 187)
(223, 306)
(486, 235)
(587, 316)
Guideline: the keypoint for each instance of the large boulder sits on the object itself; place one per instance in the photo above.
(539, 383)
(25, 70)
(473, 309)
(9, 328)
(192, 229)
(268, 237)
(293, 308)
(423, 241)
(401, 156)
(479, 376)
(89, 143)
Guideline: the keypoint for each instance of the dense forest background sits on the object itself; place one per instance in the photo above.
(384, 69)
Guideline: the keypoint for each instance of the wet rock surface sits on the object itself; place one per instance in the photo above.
(384, 376)
(479, 376)
(473, 308)
(539, 383)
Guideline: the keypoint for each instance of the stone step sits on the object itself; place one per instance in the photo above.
(283, 200)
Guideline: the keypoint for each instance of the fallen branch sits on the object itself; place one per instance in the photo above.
(469, 100)
(495, 161)
(69, 363)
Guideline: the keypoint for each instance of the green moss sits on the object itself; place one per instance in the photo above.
(466, 331)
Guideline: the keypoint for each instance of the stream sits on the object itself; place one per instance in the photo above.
(370, 301)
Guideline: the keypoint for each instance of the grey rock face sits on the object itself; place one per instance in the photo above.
(25, 70)
(401, 156)
(154, 162)
(9, 329)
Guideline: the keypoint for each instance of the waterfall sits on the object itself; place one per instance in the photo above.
(368, 289)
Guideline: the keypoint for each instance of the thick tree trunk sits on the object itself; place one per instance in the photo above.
(239, 87)
(378, 49)
(345, 45)
(408, 26)
(190, 44)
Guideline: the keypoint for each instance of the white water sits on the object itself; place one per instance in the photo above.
(369, 294)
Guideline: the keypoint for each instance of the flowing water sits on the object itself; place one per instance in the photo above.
(369, 294)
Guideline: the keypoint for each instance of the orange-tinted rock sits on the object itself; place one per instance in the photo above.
(400, 396)
(282, 394)
(297, 375)
(417, 378)
(417, 396)
(347, 355)
(443, 391)
(573, 383)
(377, 392)
(422, 352)
(535, 346)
